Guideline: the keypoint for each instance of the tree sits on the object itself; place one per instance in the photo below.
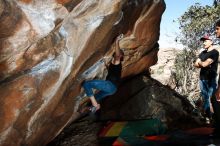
(216, 3)
(197, 21)
(194, 23)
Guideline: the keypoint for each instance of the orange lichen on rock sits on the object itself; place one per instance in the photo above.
(26, 1)
(62, 1)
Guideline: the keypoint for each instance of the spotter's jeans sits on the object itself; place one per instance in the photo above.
(207, 88)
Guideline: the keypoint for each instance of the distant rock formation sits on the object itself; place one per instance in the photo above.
(164, 69)
(48, 47)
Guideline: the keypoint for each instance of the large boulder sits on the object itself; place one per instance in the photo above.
(48, 47)
(143, 97)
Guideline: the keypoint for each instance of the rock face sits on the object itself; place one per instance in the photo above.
(48, 47)
(143, 97)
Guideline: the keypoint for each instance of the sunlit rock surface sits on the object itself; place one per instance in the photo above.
(164, 70)
(48, 47)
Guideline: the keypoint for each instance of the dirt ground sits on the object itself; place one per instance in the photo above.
(81, 133)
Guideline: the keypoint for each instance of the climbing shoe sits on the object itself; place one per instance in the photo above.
(92, 109)
(207, 121)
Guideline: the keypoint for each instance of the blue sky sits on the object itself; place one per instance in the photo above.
(168, 28)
